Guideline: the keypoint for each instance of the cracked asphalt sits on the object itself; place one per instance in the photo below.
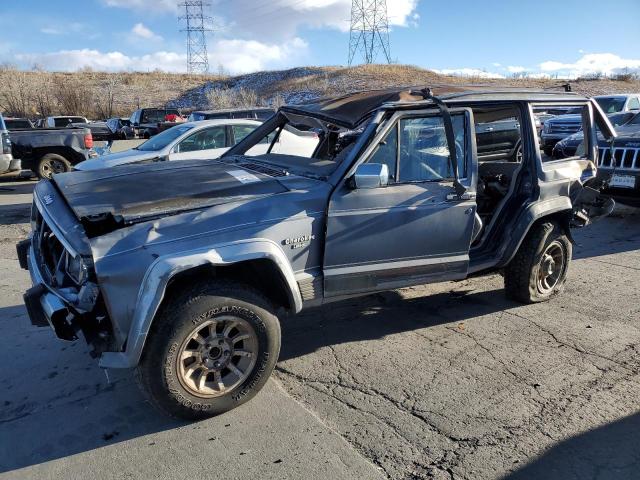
(448, 381)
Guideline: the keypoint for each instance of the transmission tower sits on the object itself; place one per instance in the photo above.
(194, 17)
(369, 33)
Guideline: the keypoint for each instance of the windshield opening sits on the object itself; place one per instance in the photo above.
(160, 141)
(301, 145)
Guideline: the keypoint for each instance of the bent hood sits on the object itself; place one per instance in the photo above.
(115, 159)
(127, 195)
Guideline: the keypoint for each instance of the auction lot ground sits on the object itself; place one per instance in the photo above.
(444, 381)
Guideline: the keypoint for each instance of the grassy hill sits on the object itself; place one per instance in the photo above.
(100, 94)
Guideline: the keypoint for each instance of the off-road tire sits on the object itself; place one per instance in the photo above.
(521, 277)
(157, 372)
(52, 163)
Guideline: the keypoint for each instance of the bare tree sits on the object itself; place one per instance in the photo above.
(15, 94)
(278, 100)
(72, 95)
(106, 95)
(44, 101)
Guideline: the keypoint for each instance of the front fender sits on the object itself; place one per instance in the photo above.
(165, 267)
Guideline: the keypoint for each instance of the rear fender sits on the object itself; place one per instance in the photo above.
(164, 268)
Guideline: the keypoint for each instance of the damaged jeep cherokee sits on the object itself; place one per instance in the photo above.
(181, 270)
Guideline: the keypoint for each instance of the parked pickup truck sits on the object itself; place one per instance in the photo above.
(181, 269)
(46, 151)
(147, 122)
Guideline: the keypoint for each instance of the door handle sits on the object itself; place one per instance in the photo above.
(489, 129)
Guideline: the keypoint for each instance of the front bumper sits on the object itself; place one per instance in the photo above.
(44, 307)
(628, 196)
(549, 140)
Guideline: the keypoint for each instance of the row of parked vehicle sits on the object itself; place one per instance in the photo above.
(58, 144)
(563, 137)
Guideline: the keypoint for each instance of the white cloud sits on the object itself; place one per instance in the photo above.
(496, 64)
(277, 20)
(139, 30)
(516, 69)
(591, 63)
(69, 28)
(161, 6)
(51, 31)
(236, 56)
(469, 72)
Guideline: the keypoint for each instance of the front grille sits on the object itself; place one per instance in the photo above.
(623, 158)
(49, 252)
(567, 128)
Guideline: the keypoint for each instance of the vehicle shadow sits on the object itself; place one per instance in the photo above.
(60, 404)
(56, 402)
(377, 316)
(607, 452)
(9, 186)
(13, 213)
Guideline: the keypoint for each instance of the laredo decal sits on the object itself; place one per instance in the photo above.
(299, 242)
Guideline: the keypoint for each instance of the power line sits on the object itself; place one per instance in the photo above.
(197, 58)
(369, 32)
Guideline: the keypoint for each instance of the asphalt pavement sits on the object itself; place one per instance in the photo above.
(447, 381)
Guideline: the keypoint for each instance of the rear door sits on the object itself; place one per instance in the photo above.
(415, 230)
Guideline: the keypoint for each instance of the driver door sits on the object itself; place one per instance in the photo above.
(208, 143)
(415, 229)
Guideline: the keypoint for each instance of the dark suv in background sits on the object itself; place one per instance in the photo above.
(147, 122)
(561, 126)
(257, 113)
(622, 169)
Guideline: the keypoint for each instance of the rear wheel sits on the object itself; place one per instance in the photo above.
(210, 350)
(52, 163)
(539, 270)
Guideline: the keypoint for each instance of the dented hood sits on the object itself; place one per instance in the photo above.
(134, 193)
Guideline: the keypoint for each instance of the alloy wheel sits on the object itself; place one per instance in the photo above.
(217, 356)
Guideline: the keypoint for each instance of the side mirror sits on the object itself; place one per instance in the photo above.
(370, 175)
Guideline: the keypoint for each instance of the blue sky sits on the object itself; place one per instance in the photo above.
(488, 37)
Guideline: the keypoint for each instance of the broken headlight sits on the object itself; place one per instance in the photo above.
(76, 269)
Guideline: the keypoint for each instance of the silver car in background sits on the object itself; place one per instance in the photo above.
(204, 140)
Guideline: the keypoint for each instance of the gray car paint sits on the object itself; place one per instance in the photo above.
(263, 226)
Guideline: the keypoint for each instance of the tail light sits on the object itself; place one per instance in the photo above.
(88, 141)
(6, 143)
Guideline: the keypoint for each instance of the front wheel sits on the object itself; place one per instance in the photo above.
(210, 350)
(539, 270)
